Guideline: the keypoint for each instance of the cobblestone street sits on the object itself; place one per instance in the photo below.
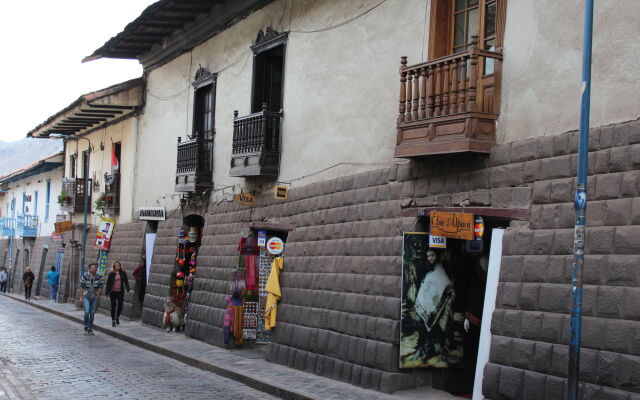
(43, 356)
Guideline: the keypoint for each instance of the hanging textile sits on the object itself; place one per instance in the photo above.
(273, 293)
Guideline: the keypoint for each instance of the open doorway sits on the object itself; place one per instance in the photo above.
(443, 294)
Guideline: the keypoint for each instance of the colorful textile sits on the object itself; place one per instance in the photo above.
(250, 275)
(273, 293)
(237, 325)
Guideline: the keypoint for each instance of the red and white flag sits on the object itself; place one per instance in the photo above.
(115, 165)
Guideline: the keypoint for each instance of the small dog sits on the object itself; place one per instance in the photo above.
(173, 317)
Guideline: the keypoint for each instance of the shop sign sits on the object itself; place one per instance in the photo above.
(57, 237)
(438, 242)
(152, 213)
(59, 259)
(105, 231)
(282, 192)
(262, 238)
(245, 199)
(103, 257)
(478, 229)
(275, 246)
(452, 225)
(61, 217)
(64, 226)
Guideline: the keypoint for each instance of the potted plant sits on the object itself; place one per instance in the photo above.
(100, 203)
(63, 198)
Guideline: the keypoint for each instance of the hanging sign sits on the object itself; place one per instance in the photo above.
(246, 199)
(103, 256)
(438, 242)
(478, 228)
(57, 237)
(452, 225)
(282, 192)
(275, 246)
(105, 230)
(64, 226)
(59, 259)
(262, 238)
(152, 213)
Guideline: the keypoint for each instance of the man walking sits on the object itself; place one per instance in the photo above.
(53, 278)
(4, 277)
(91, 285)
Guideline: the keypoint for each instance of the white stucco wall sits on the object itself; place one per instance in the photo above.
(340, 92)
(543, 66)
(100, 163)
(28, 186)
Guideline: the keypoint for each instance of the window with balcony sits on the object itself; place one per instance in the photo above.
(194, 169)
(256, 137)
(450, 103)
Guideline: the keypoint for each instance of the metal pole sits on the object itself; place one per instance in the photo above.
(580, 205)
(86, 201)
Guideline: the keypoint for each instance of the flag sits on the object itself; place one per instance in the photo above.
(115, 165)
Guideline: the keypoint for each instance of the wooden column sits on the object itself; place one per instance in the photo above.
(403, 89)
(472, 106)
(423, 92)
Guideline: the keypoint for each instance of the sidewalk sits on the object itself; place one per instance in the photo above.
(268, 377)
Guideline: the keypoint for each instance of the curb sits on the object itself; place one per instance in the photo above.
(263, 386)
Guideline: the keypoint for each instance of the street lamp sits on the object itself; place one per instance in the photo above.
(13, 232)
(85, 192)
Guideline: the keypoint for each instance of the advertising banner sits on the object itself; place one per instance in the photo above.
(105, 230)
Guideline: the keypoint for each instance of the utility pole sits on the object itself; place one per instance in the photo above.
(580, 205)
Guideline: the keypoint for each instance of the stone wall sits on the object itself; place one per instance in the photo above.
(529, 351)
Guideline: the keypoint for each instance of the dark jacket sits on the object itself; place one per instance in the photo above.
(112, 277)
(28, 277)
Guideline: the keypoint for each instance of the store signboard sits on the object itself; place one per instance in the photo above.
(452, 225)
(64, 226)
(103, 257)
(246, 199)
(282, 192)
(437, 242)
(262, 238)
(275, 246)
(152, 213)
(105, 231)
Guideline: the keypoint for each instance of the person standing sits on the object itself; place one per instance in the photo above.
(27, 278)
(53, 278)
(4, 277)
(140, 275)
(117, 283)
(91, 285)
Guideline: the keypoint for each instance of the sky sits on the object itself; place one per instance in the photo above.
(42, 44)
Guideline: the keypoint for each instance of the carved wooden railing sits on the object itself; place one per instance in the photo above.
(256, 144)
(256, 132)
(194, 165)
(74, 188)
(442, 92)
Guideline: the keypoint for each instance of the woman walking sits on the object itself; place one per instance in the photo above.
(27, 278)
(117, 283)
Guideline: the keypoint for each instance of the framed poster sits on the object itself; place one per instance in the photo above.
(429, 337)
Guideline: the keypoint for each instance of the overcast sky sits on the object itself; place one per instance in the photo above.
(42, 44)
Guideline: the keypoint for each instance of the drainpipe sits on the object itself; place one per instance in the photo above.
(580, 205)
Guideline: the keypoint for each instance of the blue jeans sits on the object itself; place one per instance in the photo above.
(90, 306)
(53, 291)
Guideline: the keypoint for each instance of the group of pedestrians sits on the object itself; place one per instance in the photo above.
(91, 284)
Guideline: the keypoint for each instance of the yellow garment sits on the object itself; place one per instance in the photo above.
(273, 293)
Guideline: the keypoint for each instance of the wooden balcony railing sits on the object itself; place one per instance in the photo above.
(256, 144)
(7, 226)
(194, 166)
(449, 104)
(74, 188)
(112, 194)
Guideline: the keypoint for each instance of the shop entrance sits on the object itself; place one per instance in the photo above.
(186, 262)
(443, 295)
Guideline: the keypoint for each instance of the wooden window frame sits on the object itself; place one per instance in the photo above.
(265, 42)
(441, 26)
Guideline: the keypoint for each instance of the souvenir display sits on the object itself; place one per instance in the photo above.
(189, 240)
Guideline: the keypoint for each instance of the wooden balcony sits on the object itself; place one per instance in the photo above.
(75, 188)
(194, 166)
(27, 225)
(450, 104)
(112, 194)
(256, 144)
(7, 226)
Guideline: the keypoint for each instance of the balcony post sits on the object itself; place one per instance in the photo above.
(473, 79)
(403, 89)
(263, 128)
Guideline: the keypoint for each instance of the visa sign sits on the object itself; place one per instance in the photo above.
(438, 242)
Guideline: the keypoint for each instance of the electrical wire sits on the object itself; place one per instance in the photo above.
(331, 167)
(343, 23)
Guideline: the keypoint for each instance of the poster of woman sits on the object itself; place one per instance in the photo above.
(428, 331)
